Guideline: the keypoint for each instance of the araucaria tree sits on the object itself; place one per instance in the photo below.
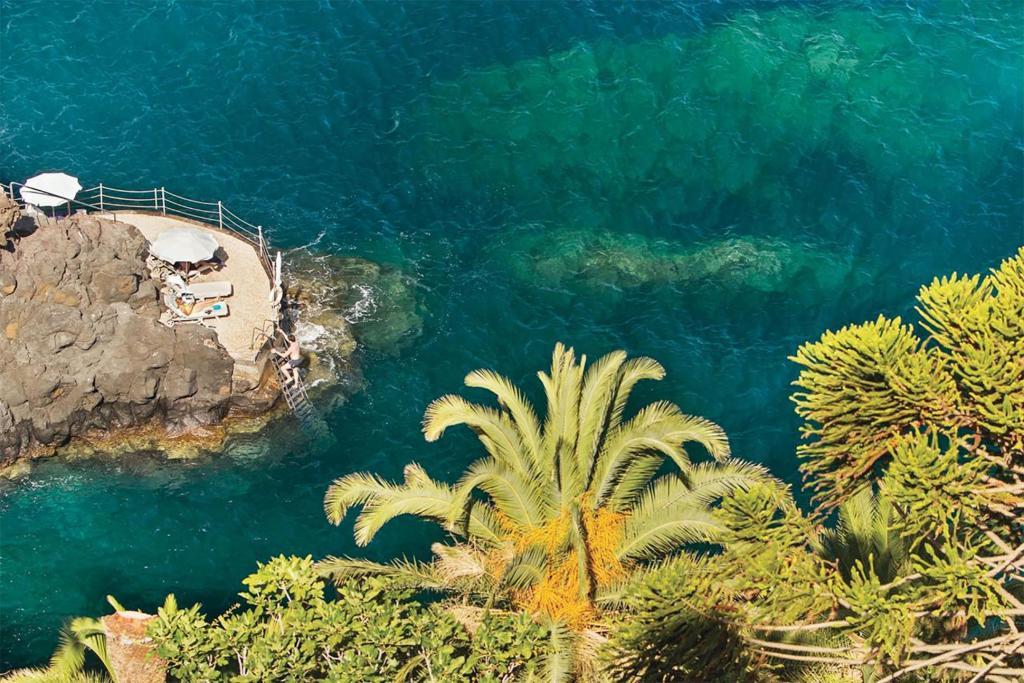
(920, 443)
(557, 513)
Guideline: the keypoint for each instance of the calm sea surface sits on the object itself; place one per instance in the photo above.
(708, 184)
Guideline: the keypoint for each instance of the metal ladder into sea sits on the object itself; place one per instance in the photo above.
(294, 391)
(298, 400)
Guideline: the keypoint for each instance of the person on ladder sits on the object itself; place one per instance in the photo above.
(294, 355)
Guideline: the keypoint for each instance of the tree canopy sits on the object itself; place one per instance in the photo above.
(558, 512)
(920, 443)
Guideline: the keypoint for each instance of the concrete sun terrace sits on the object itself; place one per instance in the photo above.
(249, 306)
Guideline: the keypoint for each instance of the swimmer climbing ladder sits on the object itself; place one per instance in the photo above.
(298, 400)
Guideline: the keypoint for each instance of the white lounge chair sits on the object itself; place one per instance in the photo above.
(199, 313)
(210, 290)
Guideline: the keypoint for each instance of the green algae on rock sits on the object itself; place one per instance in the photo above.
(633, 135)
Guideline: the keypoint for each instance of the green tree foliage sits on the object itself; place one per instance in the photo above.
(570, 506)
(920, 445)
(876, 392)
(287, 629)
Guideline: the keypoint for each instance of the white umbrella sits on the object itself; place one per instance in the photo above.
(55, 189)
(183, 245)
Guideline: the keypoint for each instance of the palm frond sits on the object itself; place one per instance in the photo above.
(33, 676)
(652, 430)
(512, 399)
(418, 495)
(79, 636)
(665, 530)
(410, 573)
(519, 498)
(698, 487)
(433, 501)
(633, 371)
(713, 480)
(351, 490)
(525, 569)
(700, 484)
(557, 663)
(69, 657)
(600, 385)
(635, 477)
(865, 529)
(562, 390)
(51, 676)
(474, 519)
(708, 434)
(495, 429)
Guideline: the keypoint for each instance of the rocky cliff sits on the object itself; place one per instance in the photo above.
(81, 347)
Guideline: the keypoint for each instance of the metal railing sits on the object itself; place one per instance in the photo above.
(158, 200)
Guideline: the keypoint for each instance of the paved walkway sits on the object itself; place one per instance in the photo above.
(249, 307)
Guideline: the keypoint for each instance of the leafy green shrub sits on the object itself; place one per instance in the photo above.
(287, 630)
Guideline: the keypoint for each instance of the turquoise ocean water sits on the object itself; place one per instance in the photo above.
(708, 184)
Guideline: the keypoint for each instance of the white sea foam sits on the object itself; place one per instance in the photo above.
(309, 333)
(364, 308)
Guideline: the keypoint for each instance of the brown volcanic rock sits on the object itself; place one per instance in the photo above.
(81, 346)
(9, 214)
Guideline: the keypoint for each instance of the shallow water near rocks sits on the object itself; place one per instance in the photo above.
(709, 186)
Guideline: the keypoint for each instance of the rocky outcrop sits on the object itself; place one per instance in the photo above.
(81, 346)
(9, 215)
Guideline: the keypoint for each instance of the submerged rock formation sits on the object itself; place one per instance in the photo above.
(734, 120)
(585, 260)
(81, 347)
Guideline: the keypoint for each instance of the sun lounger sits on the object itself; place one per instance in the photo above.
(208, 266)
(199, 313)
(209, 290)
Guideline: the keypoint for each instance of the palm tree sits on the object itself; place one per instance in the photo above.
(866, 536)
(569, 508)
(79, 637)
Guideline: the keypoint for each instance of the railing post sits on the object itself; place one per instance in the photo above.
(163, 200)
(101, 196)
(156, 200)
(220, 215)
